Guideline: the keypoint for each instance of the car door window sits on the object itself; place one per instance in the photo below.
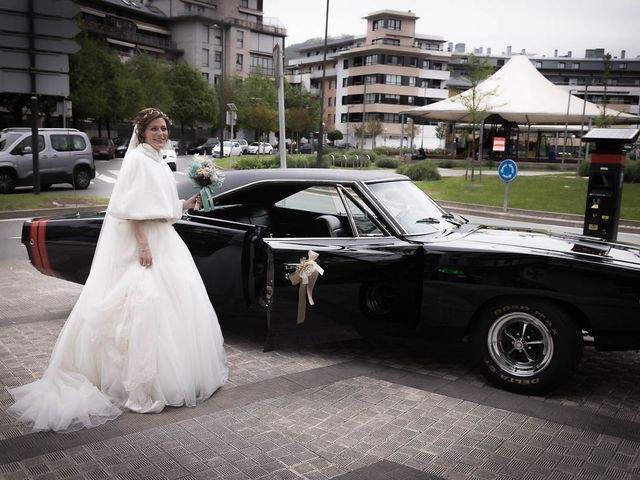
(27, 143)
(60, 143)
(362, 215)
(76, 143)
(318, 199)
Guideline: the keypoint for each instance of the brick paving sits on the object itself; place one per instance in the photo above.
(357, 409)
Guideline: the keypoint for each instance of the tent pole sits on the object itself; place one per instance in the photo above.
(480, 148)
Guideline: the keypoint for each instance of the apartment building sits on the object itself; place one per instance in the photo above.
(376, 76)
(130, 28)
(583, 76)
(218, 37)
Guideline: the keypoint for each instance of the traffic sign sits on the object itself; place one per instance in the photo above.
(499, 144)
(508, 170)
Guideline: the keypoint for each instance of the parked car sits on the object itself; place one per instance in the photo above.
(169, 156)
(103, 148)
(395, 263)
(121, 146)
(207, 147)
(229, 149)
(64, 157)
(243, 144)
(260, 148)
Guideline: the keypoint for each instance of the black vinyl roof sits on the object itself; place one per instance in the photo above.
(273, 184)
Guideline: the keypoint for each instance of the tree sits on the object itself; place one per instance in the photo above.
(360, 131)
(475, 101)
(146, 71)
(441, 132)
(302, 110)
(299, 120)
(604, 120)
(334, 135)
(411, 130)
(257, 104)
(374, 128)
(193, 101)
(227, 91)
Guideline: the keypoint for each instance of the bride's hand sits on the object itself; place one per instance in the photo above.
(191, 202)
(144, 255)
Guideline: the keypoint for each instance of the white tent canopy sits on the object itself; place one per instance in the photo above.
(519, 93)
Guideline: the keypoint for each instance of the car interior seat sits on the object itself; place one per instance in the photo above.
(329, 226)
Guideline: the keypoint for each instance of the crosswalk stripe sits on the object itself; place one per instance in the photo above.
(105, 178)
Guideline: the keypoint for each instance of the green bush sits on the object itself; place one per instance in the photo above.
(632, 172)
(448, 163)
(387, 162)
(252, 162)
(423, 170)
(583, 169)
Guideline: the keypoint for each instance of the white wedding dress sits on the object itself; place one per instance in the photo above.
(138, 338)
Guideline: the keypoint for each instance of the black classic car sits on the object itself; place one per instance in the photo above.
(394, 262)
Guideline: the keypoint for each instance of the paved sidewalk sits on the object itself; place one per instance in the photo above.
(382, 408)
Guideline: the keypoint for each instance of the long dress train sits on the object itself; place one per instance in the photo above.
(138, 338)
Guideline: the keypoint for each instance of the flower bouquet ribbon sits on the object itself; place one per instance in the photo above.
(305, 275)
(205, 176)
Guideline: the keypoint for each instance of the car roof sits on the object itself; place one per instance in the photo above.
(272, 184)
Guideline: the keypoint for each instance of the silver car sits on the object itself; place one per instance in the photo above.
(64, 157)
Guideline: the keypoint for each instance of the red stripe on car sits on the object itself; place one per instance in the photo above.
(35, 247)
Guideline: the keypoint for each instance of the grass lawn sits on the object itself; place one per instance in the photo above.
(29, 201)
(552, 193)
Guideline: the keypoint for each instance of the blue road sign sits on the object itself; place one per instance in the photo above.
(508, 170)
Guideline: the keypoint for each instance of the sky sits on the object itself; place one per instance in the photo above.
(538, 26)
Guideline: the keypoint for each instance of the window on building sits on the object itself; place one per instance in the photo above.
(239, 61)
(205, 75)
(207, 34)
(386, 41)
(217, 39)
(345, 82)
(412, 81)
(391, 98)
(562, 65)
(538, 64)
(205, 57)
(217, 59)
(575, 65)
(426, 64)
(345, 64)
(622, 66)
(244, 3)
(370, 98)
(370, 79)
(389, 23)
(393, 79)
(262, 64)
(217, 80)
(369, 60)
(239, 39)
(330, 102)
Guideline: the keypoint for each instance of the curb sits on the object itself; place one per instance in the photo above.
(49, 212)
(535, 216)
(514, 214)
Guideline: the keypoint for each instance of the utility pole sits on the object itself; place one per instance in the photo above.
(324, 64)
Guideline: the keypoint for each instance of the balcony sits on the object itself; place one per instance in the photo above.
(261, 27)
(130, 36)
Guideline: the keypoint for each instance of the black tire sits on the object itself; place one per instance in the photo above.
(7, 181)
(81, 178)
(45, 186)
(526, 345)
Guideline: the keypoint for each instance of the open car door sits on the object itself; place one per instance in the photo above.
(231, 266)
(371, 281)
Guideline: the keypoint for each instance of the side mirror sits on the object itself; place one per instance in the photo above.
(25, 150)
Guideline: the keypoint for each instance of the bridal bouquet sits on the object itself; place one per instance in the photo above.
(205, 175)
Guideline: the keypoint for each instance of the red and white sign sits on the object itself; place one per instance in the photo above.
(499, 144)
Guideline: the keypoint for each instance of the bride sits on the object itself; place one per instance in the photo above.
(143, 333)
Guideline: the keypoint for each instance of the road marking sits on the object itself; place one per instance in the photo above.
(105, 178)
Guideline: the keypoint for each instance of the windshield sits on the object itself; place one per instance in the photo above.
(410, 206)
(8, 139)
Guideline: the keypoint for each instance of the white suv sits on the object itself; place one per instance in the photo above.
(64, 157)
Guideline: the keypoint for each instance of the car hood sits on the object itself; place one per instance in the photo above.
(541, 242)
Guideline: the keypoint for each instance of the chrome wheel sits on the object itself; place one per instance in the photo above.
(520, 344)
